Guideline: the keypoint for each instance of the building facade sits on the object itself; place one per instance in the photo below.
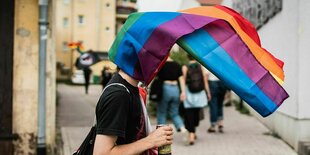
(19, 78)
(92, 22)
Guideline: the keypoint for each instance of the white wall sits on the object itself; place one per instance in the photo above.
(287, 36)
(304, 60)
(163, 5)
(158, 5)
(283, 38)
(280, 37)
(227, 3)
(189, 4)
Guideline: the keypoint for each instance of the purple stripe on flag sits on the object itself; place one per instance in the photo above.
(268, 85)
(164, 37)
(241, 54)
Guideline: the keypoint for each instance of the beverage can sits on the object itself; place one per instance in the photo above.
(165, 149)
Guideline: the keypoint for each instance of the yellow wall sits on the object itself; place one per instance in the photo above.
(107, 33)
(25, 80)
(51, 82)
(25, 85)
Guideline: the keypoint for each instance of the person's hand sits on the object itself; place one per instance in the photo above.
(161, 136)
(209, 96)
(182, 96)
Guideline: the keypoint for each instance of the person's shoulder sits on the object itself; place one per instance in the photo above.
(113, 93)
(117, 88)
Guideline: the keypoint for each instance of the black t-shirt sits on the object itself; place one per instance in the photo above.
(119, 113)
(170, 71)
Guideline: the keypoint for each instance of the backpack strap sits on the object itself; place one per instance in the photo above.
(112, 84)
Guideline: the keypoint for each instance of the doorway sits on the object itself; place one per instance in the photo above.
(6, 75)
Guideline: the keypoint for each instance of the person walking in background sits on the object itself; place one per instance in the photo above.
(197, 93)
(170, 73)
(218, 90)
(87, 72)
(105, 76)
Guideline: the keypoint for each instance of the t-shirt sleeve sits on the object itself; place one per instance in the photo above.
(111, 113)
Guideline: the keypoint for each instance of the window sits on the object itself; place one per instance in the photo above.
(65, 47)
(81, 20)
(65, 22)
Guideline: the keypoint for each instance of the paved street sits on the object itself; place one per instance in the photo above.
(244, 135)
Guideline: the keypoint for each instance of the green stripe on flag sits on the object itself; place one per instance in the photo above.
(132, 18)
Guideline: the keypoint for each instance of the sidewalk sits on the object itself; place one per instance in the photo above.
(244, 135)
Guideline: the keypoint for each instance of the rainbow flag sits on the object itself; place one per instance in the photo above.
(78, 46)
(218, 37)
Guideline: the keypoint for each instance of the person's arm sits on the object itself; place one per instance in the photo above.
(206, 78)
(182, 83)
(105, 145)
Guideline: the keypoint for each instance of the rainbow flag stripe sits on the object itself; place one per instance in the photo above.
(218, 37)
(247, 33)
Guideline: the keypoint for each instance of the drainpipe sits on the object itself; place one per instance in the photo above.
(41, 141)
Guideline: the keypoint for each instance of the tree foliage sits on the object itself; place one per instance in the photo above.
(179, 56)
